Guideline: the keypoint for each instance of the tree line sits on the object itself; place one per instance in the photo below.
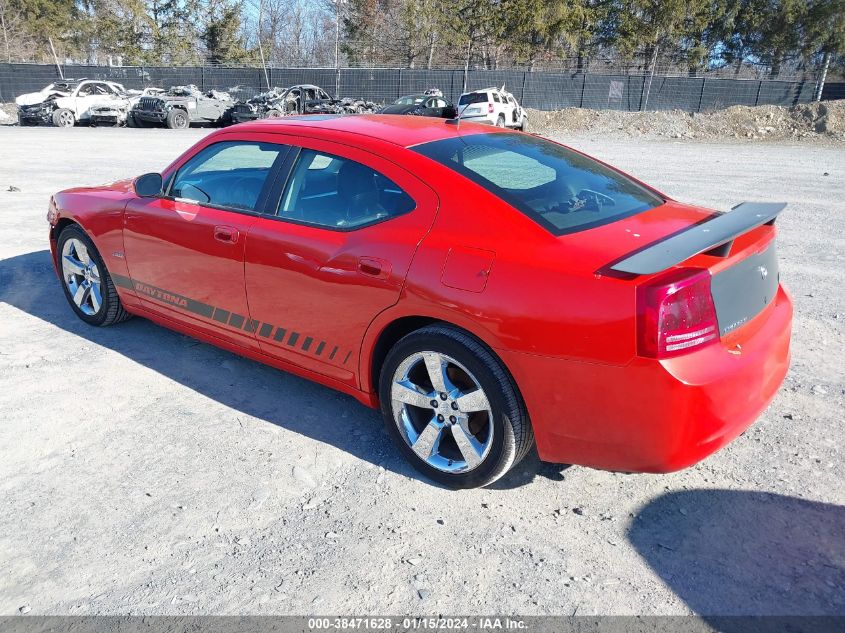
(742, 37)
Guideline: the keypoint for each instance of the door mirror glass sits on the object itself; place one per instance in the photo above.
(148, 185)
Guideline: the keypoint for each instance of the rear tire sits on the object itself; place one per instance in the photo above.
(86, 282)
(479, 428)
(500, 122)
(177, 119)
(63, 118)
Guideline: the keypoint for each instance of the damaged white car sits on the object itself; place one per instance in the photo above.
(495, 106)
(66, 103)
(119, 112)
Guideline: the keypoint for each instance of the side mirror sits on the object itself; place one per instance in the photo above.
(148, 185)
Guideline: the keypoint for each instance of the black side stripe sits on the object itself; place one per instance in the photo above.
(234, 320)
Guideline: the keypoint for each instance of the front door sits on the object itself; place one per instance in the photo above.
(335, 254)
(185, 250)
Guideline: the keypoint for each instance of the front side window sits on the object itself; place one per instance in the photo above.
(229, 175)
(560, 189)
(334, 192)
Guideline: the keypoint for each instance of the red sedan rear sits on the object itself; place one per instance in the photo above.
(489, 290)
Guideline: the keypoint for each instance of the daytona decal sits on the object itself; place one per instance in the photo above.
(235, 321)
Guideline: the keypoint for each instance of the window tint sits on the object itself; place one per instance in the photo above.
(339, 193)
(558, 188)
(496, 98)
(229, 174)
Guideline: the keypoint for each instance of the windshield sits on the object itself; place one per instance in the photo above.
(558, 188)
(473, 97)
(412, 100)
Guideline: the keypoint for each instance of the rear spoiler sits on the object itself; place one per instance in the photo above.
(714, 236)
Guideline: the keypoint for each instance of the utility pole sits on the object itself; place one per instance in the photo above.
(337, 9)
(55, 58)
(650, 77)
(823, 76)
(260, 45)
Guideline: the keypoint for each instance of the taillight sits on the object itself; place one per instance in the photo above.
(489, 108)
(675, 314)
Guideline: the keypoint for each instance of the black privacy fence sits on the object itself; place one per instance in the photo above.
(540, 89)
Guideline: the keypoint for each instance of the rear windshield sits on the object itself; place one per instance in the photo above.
(558, 188)
(473, 97)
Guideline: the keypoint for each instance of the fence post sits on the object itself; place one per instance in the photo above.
(399, 85)
(583, 88)
(701, 96)
(757, 98)
(522, 97)
(202, 78)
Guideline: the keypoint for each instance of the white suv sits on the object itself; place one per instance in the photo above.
(495, 106)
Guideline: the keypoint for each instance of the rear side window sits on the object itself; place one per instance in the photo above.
(230, 174)
(339, 193)
(473, 97)
(496, 98)
(560, 189)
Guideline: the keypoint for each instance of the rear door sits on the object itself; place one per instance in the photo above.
(334, 254)
(185, 250)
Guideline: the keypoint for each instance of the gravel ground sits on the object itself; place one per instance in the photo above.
(142, 472)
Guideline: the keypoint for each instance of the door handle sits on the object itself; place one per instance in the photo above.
(226, 234)
(374, 267)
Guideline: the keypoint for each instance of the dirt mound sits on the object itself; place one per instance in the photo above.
(8, 113)
(807, 121)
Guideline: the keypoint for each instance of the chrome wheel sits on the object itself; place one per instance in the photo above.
(81, 276)
(442, 412)
(66, 119)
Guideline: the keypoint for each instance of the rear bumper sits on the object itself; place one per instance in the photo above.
(478, 118)
(655, 416)
(112, 119)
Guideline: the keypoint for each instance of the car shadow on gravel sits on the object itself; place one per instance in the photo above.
(28, 282)
(738, 552)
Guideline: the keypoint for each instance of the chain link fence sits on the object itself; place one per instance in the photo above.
(543, 90)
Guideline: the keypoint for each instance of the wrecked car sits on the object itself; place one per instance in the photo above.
(182, 105)
(119, 112)
(299, 99)
(65, 103)
(278, 102)
(265, 105)
(346, 105)
(429, 103)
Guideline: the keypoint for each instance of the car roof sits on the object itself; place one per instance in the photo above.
(398, 129)
(492, 89)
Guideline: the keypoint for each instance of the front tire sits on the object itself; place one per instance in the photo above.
(452, 408)
(63, 118)
(88, 287)
(177, 119)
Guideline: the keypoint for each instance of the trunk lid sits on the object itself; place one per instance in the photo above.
(737, 248)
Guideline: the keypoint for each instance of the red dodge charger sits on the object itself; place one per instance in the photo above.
(489, 290)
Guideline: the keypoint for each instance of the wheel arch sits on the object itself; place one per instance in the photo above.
(388, 329)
